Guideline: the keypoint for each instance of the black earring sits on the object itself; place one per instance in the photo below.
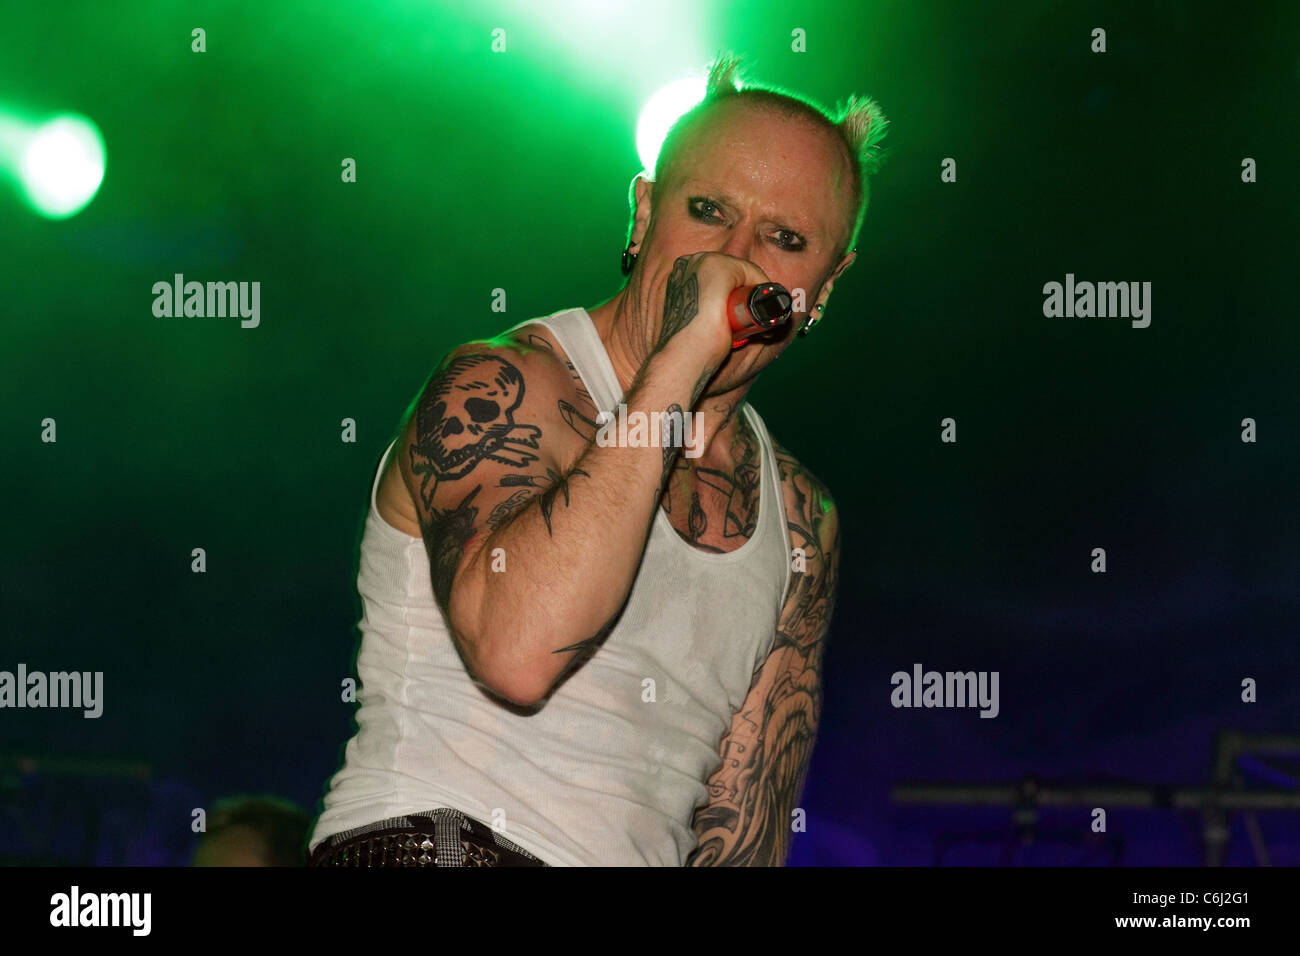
(629, 260)
(814, 317)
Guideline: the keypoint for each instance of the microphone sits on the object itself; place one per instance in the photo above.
(756, 308)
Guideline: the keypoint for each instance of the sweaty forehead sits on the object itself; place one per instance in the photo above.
(778, 165)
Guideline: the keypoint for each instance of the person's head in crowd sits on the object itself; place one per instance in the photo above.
(254, 831)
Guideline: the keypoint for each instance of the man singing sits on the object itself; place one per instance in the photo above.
(593, 652)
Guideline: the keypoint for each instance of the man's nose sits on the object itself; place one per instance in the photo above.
(739, 241)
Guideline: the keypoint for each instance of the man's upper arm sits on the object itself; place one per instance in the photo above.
(766, 753)
(478, 445)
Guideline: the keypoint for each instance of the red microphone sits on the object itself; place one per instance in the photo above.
(756, 308)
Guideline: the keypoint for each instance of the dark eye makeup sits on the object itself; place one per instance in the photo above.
(697, 206)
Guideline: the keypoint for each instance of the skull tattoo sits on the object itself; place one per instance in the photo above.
(466, 416)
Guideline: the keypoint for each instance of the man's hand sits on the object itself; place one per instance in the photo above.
(695, 322)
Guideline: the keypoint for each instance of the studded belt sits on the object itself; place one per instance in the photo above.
(442, 837)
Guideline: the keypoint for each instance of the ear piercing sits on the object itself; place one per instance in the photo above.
(814, 317)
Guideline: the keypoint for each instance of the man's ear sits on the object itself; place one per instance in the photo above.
(640, 199)
(824, 293)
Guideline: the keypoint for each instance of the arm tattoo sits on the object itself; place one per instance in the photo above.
(681, 302)
(526, 481)
(672, 436)
(504, 509)
(465, 416)
(767, 752)
(584, 649)
(445, 535)
(671, 448)
(580, 423)
(540, 342)
(559, 485)
(698, 388)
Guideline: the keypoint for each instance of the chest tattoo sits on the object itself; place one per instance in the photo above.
(716, 509)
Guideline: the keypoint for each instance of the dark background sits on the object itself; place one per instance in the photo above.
(479, 171)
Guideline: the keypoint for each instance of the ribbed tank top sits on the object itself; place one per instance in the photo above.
(601, 774)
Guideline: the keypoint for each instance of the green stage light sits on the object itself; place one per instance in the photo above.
(660, 113)
(61, 166)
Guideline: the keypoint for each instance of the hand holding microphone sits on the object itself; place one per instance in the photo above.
(713, 303)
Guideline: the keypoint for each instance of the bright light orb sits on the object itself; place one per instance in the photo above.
(660, 113)
(62, 166)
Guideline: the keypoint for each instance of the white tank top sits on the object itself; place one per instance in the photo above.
(600, 775)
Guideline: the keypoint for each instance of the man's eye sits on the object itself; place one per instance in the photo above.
(700, 208)
(790, 240)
